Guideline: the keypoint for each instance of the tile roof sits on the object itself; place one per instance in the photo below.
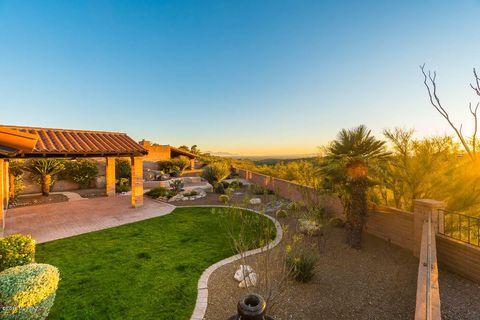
(78, 142)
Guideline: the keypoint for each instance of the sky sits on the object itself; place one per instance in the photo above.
(250, 77)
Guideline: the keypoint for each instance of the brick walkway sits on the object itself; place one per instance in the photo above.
(60, 220)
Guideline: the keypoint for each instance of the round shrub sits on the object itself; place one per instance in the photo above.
(28, 292)
(16, 250)
(219, 188)
(81, 171)
(281, 213)
(160, 192)
(336, 222)
(224, 199)
(302, 267)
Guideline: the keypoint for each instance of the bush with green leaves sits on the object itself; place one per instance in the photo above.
(216, 172)
(281, 213)
(261, 190)
(219, 188)
(236, 184)
(160, 192)
(28, 292)
(81, 171)
(302, 266)
(182, 163)
(123, 169)
(168, 167)
(336, 222)
(16, 250)
(122, 185)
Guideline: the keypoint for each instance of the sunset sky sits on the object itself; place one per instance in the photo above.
(246, 77)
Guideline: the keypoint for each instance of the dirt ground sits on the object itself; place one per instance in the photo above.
(32, 200)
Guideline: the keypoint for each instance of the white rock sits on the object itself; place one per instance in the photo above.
(243, 270)
(249, 281)
(255, 201)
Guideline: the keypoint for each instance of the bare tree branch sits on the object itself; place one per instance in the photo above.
(431, 85)
(477, 81)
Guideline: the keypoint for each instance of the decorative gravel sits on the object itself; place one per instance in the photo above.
(459, 297)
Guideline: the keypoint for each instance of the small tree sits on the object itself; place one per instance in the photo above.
(45, 169)
(216, 172)
(346, 167)
(123, 169)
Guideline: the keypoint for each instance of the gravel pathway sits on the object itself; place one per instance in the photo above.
(459, 297)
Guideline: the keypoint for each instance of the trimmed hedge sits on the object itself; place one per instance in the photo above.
(16, 250)
(28, 292)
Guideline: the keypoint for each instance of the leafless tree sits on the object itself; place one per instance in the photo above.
(470, 145)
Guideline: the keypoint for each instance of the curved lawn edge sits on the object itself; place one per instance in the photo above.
(202, 287)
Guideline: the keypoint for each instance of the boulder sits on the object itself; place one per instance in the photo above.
(249, 281)
(255, 201)
(242, 271)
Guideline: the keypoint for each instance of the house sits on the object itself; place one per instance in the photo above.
(162, 153)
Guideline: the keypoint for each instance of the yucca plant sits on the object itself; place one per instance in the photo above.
(216, 172)
(346, 171)
(44, 169)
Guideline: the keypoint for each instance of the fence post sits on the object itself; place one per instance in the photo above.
(422, 209)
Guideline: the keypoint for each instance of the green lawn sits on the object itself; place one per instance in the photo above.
(144, 270)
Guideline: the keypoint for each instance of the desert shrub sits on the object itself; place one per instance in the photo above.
(169, 167)
(81, 171)
(336, 222)
(302, 266)
(191, 193)
(28, 292)
(219, 188)
(224, 199)
(261, 190)
(281, 213)
(293, 206)
(216, 172)
(122, 185)
(176, 185)
(160, 192)
(225, 184)
(16, 250)
(182, 163)
(123, 169)
(236, 184)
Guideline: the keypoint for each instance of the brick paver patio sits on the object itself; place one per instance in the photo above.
(64, 219)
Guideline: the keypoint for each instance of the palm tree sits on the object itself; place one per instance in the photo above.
(45, 169)
(346, 172)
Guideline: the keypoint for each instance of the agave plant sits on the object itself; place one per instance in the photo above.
(44, 169)
(346, 172)
(216, 172)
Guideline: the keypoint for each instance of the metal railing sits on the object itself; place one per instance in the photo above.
(459, 226)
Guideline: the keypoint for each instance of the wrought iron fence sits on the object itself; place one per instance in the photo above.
(459, 226)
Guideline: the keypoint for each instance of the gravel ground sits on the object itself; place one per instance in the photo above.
(377, 282)
(459, 297)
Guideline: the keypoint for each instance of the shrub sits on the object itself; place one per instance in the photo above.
(261, 190)
(123, 169)
(293, 206)
(168, 167)
(302, 267)
(43, 171)
(160, 192)
(336, 222)
(16, 250)
(224, 198)
(219, 188)
(236, 184)
(281, 213)
(122, 185)
(28, 292)
(182, 163)
(216, 172)
(226, 185)
(176, 185)
(81, 171)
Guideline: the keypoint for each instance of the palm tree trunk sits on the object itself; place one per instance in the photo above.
(46, 182)
(358, 212)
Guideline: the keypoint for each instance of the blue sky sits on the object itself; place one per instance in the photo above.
(248, 77)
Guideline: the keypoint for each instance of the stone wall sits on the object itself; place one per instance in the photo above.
(155, 153)
(459, 257)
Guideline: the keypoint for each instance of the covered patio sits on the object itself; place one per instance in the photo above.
(18, 142)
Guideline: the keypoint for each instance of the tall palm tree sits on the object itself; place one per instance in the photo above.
(346, 171)
(45, 169)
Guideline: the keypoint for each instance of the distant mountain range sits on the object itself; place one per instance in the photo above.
(265, 158)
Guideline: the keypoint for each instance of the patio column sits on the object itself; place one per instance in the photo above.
(137, 181)
(422, 209)
(110, 176)
(192, 164)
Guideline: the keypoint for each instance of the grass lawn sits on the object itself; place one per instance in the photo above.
(144, 270)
